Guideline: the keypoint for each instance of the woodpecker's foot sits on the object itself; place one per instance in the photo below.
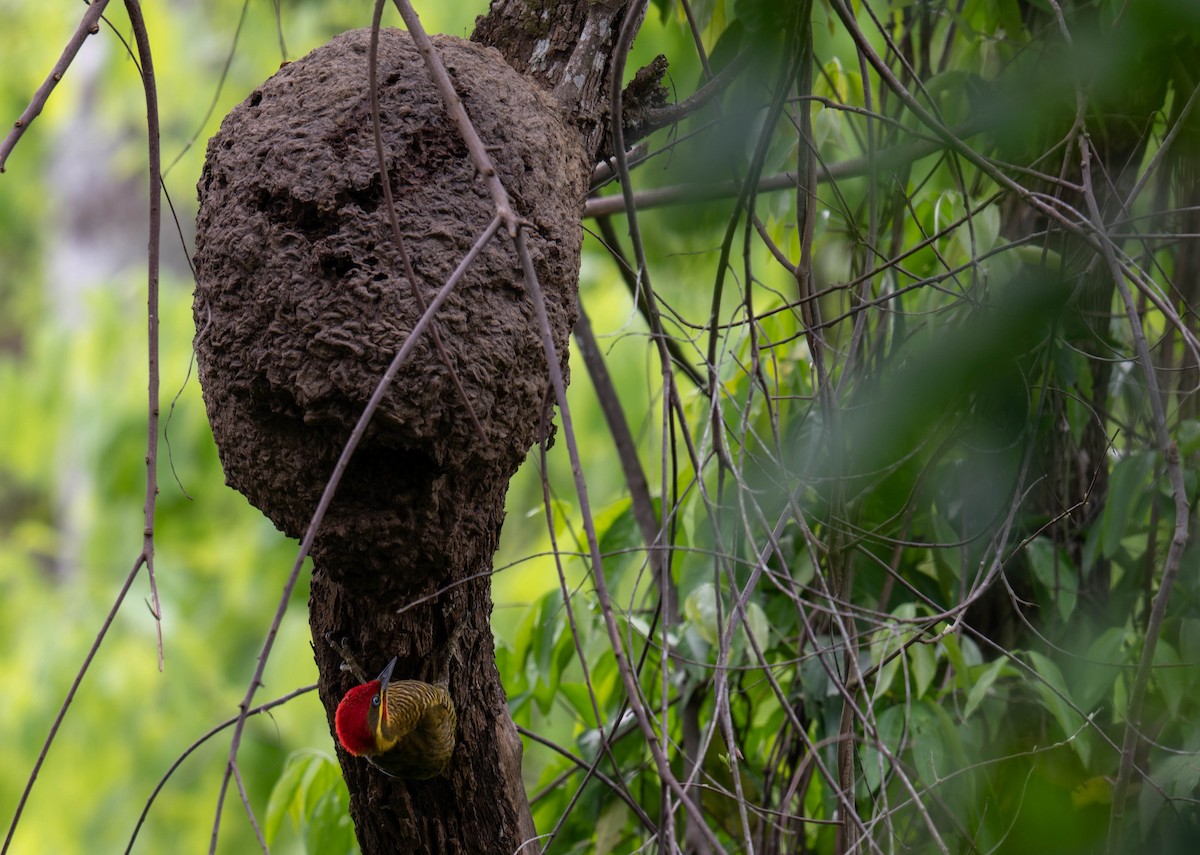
(349, 663)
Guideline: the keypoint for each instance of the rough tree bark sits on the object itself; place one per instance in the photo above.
(301, 303)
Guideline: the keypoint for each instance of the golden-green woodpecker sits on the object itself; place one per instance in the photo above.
(403, 727)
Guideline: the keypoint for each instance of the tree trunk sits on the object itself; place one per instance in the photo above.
(301, 303)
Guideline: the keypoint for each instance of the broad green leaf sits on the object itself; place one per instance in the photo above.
(324, 776)
(986, 225)
(580, 699)
(284, 795)
(620, 541)
(947, 556)
(1175, 776)
(1053, 568)
(1187, 435)
(551, 647)
(889, 730)
(933, 741)
(883, 644)
(312, 792)
(1189, 639)
(329, 829)
(1172, 677)
(963, 654)
(610, 827)
(1057, 700)
(756, 623)
(1093, 678)
(1126, 484)
(700, 608)
(981, 686)
(923, 663)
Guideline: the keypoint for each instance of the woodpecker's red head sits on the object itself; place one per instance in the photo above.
(357, 716)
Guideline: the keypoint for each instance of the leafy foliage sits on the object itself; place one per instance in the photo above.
(312, 794)
(893, 530)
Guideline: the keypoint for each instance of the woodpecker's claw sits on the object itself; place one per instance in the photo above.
(348, 661)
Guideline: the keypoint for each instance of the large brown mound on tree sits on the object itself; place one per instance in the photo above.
(301, 301)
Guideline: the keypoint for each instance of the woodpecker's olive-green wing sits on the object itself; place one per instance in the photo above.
(416, 734)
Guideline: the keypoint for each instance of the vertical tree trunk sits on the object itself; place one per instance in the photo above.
(301, 304)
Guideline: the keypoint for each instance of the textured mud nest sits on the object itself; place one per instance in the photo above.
(301, 301)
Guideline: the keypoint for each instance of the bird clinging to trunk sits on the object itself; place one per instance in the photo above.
(403, 727)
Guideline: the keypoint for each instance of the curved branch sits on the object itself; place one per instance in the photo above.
(89, 25)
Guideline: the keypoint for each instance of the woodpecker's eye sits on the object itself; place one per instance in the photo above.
(375, 701)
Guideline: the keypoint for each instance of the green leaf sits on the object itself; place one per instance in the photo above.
(963, 654)
(620, 541)
(884, 643)
(700, 609)
(1101, 664)
(329, 829)
(756, 622)
(1175, 776)
(986, 226)
(1057, 700)
(889, 730)
(580, 699)
(981, 686)
(1172, 676)
(551, 647)
(284, 795)
(923, 662)
(1187, 436)
(946, 558)
(610, 827)
(1053, 568)
(1126, 484)
(311, 791)
(933, 741)
(328, 779)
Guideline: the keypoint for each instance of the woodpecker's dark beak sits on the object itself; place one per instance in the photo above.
(385, 676)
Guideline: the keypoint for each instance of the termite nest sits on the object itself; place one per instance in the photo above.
(301, 300)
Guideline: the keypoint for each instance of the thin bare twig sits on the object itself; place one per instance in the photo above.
(581, 653)
(89, 25)
(640, 297)
(884, 160)
(635, 477)
(142, 39)
(618, 788)
(62, 711)
(187, 752)
(241, 785)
